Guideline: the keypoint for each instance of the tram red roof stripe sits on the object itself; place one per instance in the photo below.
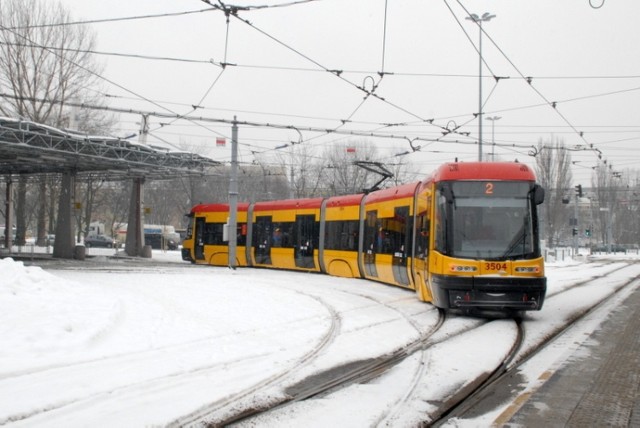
(402, 191)
(484, 171)
(288, 204)
(216, 208)
(345, 200)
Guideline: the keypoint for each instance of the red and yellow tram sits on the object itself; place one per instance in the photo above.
(466, 237)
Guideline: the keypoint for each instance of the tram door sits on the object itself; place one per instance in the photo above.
(372, 243)
(198, 242)
(420, 250)
(262, 240)
(401, 244)
(304, 241)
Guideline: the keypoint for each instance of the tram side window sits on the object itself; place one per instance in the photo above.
(372, 231)
(262, 234)
(342, 235)
(392, 234)
(282, 235)
(422, 235)
(441, 225)
(213, 234)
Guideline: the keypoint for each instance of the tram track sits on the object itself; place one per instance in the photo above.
(462, 405)
(468, 394)
(359, 371)
(472, 391)
(286, 387)
(202, 415)
(587, 281)
(163, 378)
(364, 374)
(340, 377)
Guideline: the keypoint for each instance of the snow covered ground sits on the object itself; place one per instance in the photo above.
(108, 344)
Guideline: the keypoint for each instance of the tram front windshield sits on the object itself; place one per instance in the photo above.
(491, 220)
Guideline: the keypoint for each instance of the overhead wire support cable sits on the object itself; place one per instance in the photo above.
(384, 36)
(138, 96)
(173, 115)
(117, 54)
(550, 103)
(337, 73)
(109, 20)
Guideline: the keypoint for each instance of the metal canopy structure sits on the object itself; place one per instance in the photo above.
(28, 148)
(32, 148)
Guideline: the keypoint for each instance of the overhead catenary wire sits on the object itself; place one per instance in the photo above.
(552, 104)
(398, 73)
(517, 108)
(529, 80)
(337, 73)
(111, 20)
(251, 123)
(350, 117)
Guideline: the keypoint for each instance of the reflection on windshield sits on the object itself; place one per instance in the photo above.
(495, 226)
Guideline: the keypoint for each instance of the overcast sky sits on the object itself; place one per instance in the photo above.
(283, 64)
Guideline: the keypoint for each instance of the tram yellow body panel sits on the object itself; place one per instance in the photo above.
(342, 263)
(285, 235)
(467, 237)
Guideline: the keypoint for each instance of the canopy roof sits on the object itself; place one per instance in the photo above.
(32, 148)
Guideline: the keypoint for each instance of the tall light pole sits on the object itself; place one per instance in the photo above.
(479, 20)
(493, 136)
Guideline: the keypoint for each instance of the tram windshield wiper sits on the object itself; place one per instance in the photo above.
(511, 251)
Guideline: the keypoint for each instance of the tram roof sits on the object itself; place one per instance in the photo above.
(32, 148)
(344, 200)
(217, 207)
(289, 204)
(403, 191)
(484, 171)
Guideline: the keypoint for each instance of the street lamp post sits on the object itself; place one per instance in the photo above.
(486, 17)
(493, 135)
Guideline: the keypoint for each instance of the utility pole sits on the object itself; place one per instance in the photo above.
(233, 196)
(486, 17)
(576, 228)
(493, 136)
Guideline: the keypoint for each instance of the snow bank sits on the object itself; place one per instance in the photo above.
(44, 315)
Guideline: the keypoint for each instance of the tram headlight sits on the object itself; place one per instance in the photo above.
(463, 268)
(527, 269)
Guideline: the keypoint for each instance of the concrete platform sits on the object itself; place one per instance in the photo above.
(601, 387)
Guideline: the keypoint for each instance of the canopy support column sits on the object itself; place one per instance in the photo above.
(8, 219)
(63, 247)
(135, 226)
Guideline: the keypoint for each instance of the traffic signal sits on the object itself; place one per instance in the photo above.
(579, 190)
(587, 233)
(574, 231)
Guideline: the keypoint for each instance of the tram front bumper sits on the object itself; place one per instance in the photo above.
(484, 292)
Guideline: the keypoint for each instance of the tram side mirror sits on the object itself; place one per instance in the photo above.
(538, 194)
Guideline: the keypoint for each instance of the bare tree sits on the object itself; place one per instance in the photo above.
(553, 164)
(300, 164)
(401, 167)
(341, 175)
(44, 63)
